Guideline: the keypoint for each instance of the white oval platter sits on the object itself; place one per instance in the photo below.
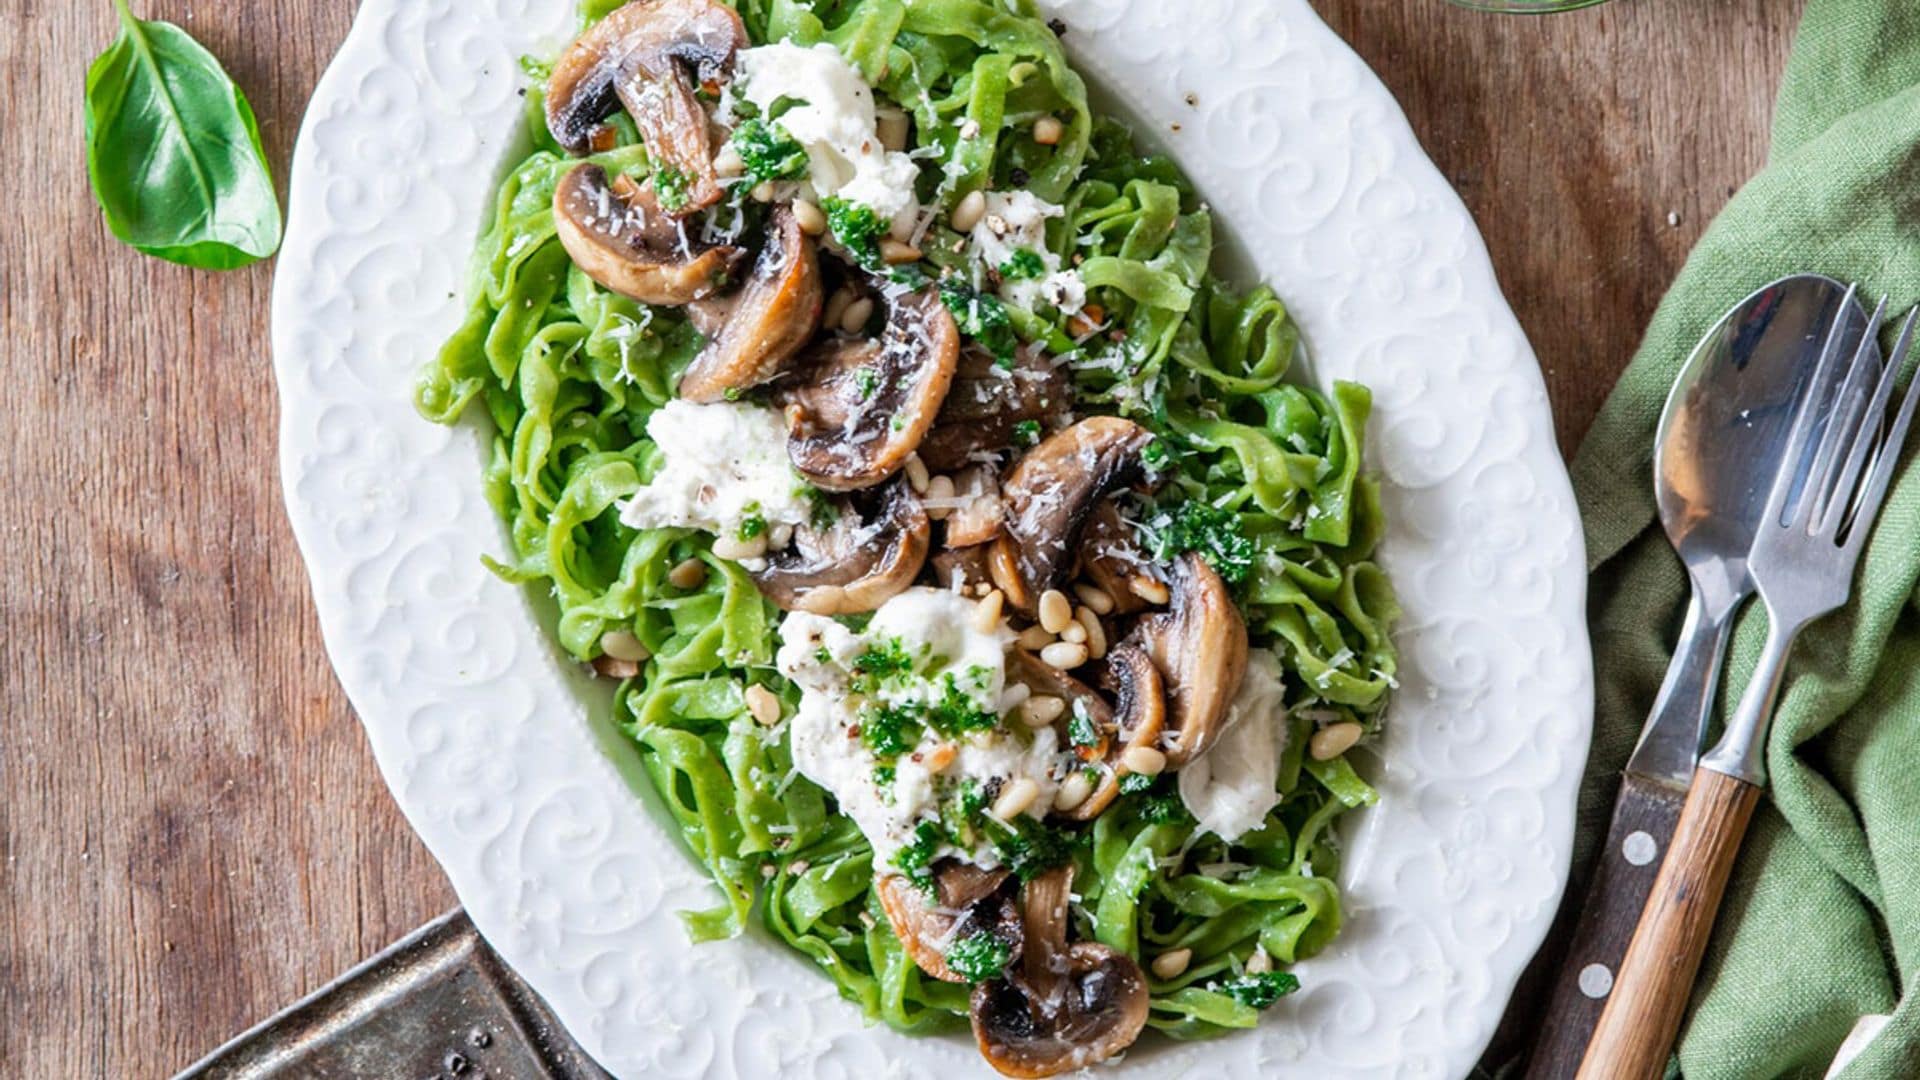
(494, 746)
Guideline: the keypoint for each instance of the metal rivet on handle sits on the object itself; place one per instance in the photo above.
(1639, 848)
(1595, 980)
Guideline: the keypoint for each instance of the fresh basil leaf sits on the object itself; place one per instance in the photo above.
(174, 153)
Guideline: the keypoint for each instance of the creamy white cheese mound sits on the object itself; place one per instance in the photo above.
(725, 462)
(1016, 221)
(833, 122)
(936, 629)
(1230, 788)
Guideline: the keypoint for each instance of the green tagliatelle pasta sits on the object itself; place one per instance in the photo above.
(568, 374)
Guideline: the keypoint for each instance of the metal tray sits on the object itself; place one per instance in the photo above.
(436, 1005)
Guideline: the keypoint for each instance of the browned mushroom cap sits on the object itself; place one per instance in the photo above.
(617, 235)
(777, 312)
(967, 900)
(864, 406)
(649, 56)
(1139, 718)
(981, 512)
(988, 402)
(1111, 559)
(1063, 1007)
(1052, 491)
(967, 565)
(1200, 646)
(871, 552)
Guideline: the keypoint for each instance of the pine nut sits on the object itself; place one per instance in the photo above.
(1259, 963)
(1055, 611)
(986, 613)
(939, 488)
(1075, 633)
(1016, 798)
(1042, 710)
(1047, 130)
(1144, 760)
(1333, 740)
(854, 319)
(727, 163)
(895, 252)
(1073, 791)
(1094, 597)
(1153, 592)
(891, 126)
(779, 536)
(762, 191)
(941, 757)
(1035, 638)
(836, 307)
(1170, 965)
(688, 575)
(917, 476)
(809, 218)
(1064, 655)
(622, 645)
(763, 704)
(615, 669)
(732, 547)
(968, 212)
(1096, 632)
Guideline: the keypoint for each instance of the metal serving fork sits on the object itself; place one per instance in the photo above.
(1818, 515)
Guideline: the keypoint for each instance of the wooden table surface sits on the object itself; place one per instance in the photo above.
(194, 830)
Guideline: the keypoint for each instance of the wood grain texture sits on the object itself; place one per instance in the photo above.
(194, 830)
(1637, 1028)
(1645, 816)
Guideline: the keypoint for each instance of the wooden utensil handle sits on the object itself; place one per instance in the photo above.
(1649, 996)
(1645, 815)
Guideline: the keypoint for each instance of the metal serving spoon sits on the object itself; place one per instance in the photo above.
(1719, 446)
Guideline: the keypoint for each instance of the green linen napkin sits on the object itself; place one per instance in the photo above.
(1821, 923)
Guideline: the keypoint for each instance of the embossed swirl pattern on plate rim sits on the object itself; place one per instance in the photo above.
(490, 741)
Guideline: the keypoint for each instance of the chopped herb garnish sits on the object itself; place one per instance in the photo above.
(956, 712)
(1164, 808)
(784, 104)
(768, 151)
(672, 186)
(883, 774)
(979, 956)
(879, 663)
(890, 730)
(1158, 801)
(1257, 991)
(865, 380)
(982, 317)
(916, 859)
(1214, 532)
(908, 274)
(1023, 265)
(1082, 734)
(1157, 455)
(822, 655)
(754, 524)
(1026, 432)
(1030, 848)
(857, 228)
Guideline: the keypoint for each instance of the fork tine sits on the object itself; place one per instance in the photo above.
(1843, 420)
(1804, 413)
(1888, 457)
(1841, 494)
